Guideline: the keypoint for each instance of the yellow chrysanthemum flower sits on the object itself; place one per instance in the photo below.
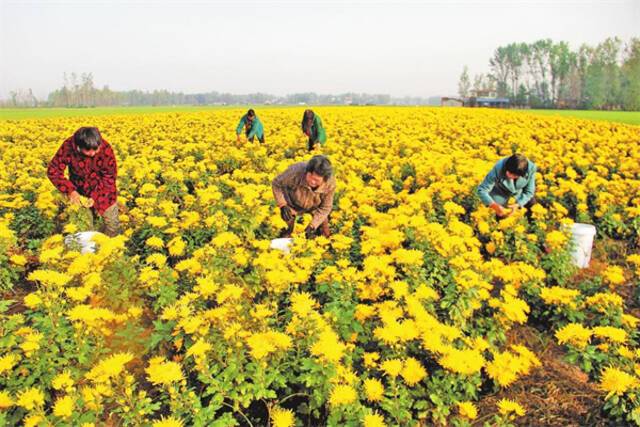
(30, 398)
(373, 420)
(282, 417)
(374, 390)
(509, 407)
(467, 410)
(617, 382)
(342, 395)
(64, 407)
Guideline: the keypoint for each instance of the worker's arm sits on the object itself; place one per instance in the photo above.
(241, 125)
(280, 183)
(487, 184)
(57, 166)
(485, 187)
(530, 189)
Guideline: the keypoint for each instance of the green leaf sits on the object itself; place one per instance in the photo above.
(5, 304)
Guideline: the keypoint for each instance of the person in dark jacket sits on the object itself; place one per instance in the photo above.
(306, 187)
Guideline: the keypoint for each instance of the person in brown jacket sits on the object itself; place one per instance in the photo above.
(306, 187)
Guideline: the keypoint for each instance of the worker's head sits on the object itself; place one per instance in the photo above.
(88, 141)
(318, 171)
(251, 115)
(308, 115)
(516, 166)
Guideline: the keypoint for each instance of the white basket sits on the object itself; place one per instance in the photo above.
(283, 244)
(582, 236)
(84, 240)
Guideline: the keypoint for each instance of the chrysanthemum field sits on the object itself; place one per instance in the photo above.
(406, 316)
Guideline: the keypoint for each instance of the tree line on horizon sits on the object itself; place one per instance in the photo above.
(79, 90)
(548, 74)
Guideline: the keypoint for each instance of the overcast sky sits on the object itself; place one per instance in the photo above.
(415, 48)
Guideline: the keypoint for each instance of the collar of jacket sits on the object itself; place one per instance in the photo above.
(508, 183)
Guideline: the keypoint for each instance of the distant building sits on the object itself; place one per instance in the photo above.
(488, 102)
(451, 102)
(486, 98)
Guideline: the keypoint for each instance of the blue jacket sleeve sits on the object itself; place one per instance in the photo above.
(240, 125)
(530, 189)
(487, 185)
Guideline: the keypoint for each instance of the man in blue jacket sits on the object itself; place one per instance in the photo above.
(513, 176)
(252, 127)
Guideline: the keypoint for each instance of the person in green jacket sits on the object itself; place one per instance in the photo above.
(513, 176)
(252, 127)
(312, 127)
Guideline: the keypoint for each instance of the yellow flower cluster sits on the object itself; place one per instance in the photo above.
(414, 275)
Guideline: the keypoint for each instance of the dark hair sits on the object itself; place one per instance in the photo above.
(251, 113)
(308, 114)
(87, 138)
(321, 166)
(517, 164)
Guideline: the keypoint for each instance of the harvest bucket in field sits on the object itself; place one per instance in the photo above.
(283, 244)
(83, 241)
(582, 235)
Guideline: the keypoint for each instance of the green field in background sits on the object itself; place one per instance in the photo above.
(629, 117)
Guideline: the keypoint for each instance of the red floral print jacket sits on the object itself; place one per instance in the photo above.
(93, 177)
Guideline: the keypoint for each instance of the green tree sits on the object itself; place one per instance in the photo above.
(610, 52)
(631, 76)
(540, 60)
(464, 84)
(561, 60)
(500, 70)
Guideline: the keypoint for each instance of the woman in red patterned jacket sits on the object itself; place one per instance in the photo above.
(92, 173)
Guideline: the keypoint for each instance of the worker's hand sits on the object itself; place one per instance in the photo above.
(287, 214)
(309, 232)
(238, 139)
(499, 210)
(74, 197)
(514, 208)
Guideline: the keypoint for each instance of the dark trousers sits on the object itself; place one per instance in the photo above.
(261, 138)
(311, 144)
(528, 207)
(111, 220)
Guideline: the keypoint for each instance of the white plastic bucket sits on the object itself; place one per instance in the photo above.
(282, 244)
(84, 240)
(582, 235)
